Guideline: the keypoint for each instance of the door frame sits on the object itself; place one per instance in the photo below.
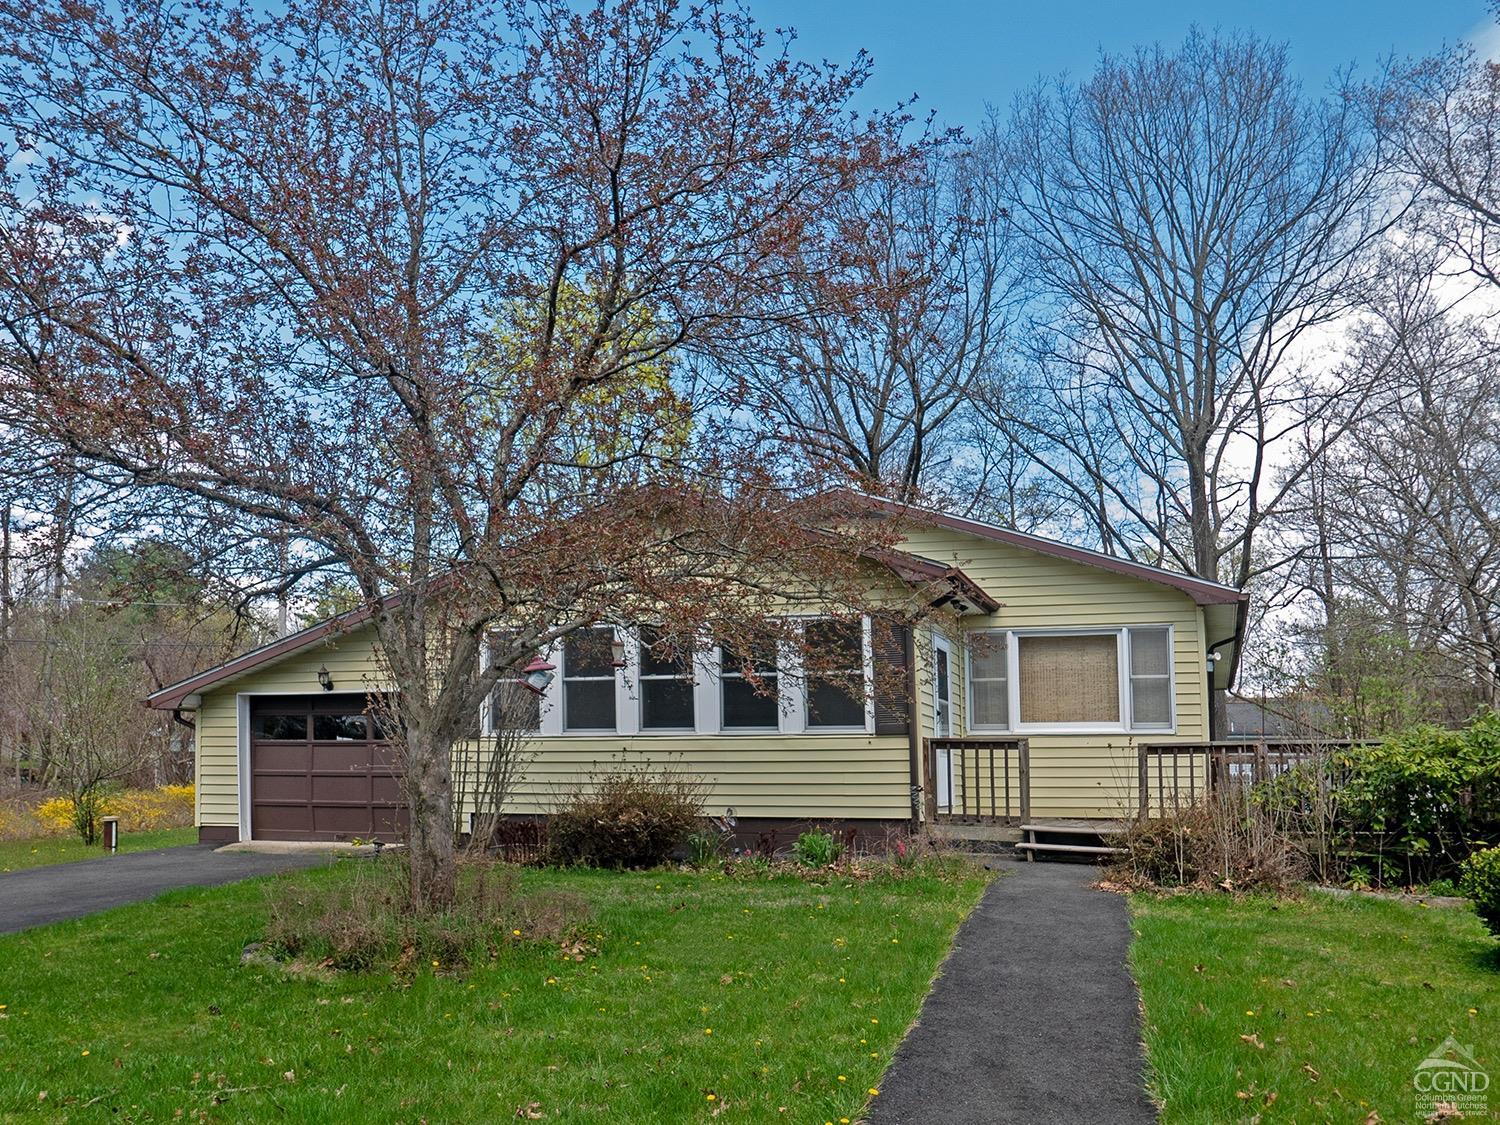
(943, 760)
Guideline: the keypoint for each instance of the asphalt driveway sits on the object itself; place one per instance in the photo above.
(39, 895)
(1034, 1018)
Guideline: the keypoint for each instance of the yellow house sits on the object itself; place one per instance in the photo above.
(1030, 701)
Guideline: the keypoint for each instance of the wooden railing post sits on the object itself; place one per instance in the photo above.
(1023, 756)
(1143, 780)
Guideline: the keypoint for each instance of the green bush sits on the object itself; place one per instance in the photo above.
(625, 818)
(1481, 884)
(817, 849)
(1417, 804)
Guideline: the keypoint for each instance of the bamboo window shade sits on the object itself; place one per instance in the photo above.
(1069, 679)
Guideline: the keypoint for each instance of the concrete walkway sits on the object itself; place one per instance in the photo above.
(1035, 1017)
(39, 895)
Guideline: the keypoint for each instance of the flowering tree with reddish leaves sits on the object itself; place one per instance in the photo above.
(334, 290)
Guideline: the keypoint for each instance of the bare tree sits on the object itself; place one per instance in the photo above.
(1399, 520)
(1191, 218)
(877, 379)
(351, 276)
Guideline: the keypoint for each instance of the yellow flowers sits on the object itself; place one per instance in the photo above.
(713, 1097)
(842, 1078)
(516, 933)
(874, 1093)
(139, 810)
(708, 1031)
(874, 1020)
(85, 1054)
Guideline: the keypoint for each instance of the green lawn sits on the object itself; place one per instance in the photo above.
(1315, 1010)
(770, 1000)
(43, 850)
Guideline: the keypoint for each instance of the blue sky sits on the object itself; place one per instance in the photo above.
(959, 56)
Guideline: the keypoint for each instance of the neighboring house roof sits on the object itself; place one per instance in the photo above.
(1252, 719)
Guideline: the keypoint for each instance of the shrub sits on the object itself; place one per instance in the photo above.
(139, 810)
(1430, 795)
(1443, 888)
(631, 817)
(1224, 842)
(1481, 884)
(365, 922)
(817, 849)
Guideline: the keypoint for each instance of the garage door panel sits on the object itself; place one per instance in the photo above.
(341, 758)
(272, 787)
(321, 790)
(278, 756)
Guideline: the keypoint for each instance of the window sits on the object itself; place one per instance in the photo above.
(339, 728)
(835, 691)
(513, 705)
(1150, 678)
(745, 705)
(666, 684)
(1069, 679)
(989, 680)
(280, 728)
(589, 680)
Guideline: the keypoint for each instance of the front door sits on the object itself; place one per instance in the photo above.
(942, 718)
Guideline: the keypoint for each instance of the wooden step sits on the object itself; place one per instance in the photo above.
(1077, 828)
(1084, 849)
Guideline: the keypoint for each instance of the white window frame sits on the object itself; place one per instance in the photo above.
(639, 678)
(1121, 633)
(486, 717)
(621, 690)
(867, 652)
(969, 709)
(1170, 726)
(716, 657)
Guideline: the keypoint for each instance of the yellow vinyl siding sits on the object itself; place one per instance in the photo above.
(350, 660)
(811, 776)
(1077, 775)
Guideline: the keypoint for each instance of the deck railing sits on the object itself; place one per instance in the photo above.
(979, 780)
(1173, 775)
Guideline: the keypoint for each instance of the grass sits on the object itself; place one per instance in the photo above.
(40, 851)
(1313, 1010)
(772, 1000)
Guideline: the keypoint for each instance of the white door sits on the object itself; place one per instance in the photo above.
(942, 718)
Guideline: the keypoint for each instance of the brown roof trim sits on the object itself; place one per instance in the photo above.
(1202, 591)
(914, 568)
(170, 697)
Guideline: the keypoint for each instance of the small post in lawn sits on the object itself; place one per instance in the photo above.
(109, 827)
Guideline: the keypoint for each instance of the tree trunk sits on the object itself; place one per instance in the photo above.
(429, 794)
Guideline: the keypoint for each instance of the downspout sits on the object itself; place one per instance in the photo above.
(1212, 663)
(913, 729)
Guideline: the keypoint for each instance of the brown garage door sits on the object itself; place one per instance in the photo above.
(319, 770)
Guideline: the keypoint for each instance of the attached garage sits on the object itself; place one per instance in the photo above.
(320, 769)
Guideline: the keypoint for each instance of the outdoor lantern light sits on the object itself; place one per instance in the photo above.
(324, 678)
(538, 674)
(617, 650)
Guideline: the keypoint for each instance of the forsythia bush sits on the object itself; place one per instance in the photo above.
(139, 810)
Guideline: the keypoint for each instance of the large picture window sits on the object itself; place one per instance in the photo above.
(666, 684)
(835, 691)
(744, 704)
(588, 680)
(1072, 679)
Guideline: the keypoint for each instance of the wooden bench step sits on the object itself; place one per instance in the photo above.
(1103, 828)
(1085, 849)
